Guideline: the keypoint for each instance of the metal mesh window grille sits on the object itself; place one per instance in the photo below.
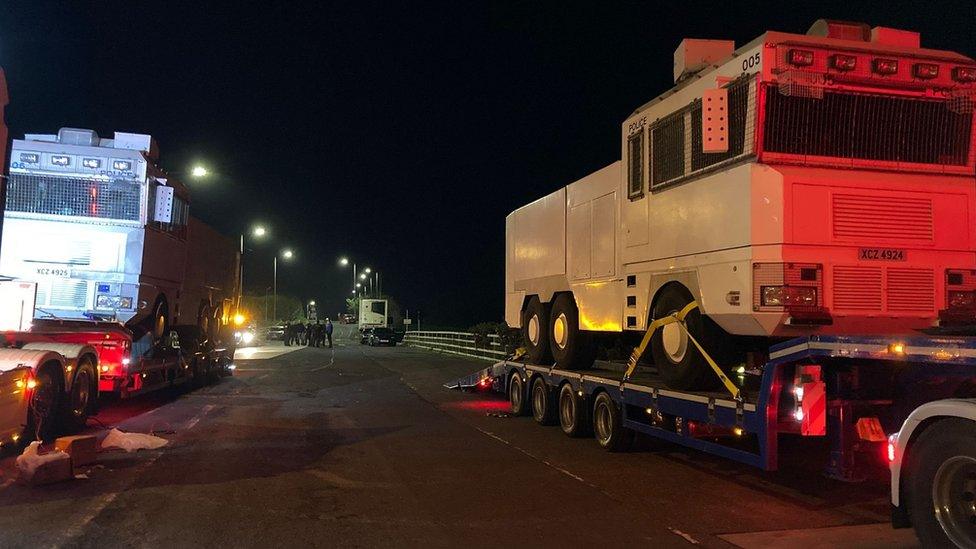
(71, 196)
(635, 159)
(668, 149)
(861, 126)
(741, 126)
(676, 140)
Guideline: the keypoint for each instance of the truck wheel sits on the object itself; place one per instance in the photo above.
(204, 318)
(516, 395)
(535, 332)
(942, 484)
(160, 319)
(543, 405)
(608, 425)
(677, 359)
(79, 405)
(573, 417)
(215, 323)
(44, 406)
(572, 348)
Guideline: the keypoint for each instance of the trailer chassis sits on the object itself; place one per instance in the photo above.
(858, 388)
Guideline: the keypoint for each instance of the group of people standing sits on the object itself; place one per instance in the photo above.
(312, 335)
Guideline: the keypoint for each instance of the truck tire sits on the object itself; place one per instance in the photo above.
(204, 318)
(45, 403)
(941, 488)
(573, 417)
(216, 323)
(543, 403)
(159, 321)
(677, 359)
(535, 332)
(608, 425)
(78, 405)
(516, 395)
(571, 347)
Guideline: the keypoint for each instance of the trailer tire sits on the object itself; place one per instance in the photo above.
(45, 402)
(159, 321)
(608, 425)
(543, 405)
(535, 331)
(941, 491)
(572, 348)
(204, 318)
(78, 406)
(516, 395)
(677, 359)
(574, 418)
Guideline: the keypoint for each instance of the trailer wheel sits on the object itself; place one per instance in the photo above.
(677, 359)
(516, 395)
(942, 484)
(543, 405)
(572, 348)
(44, 406)
(573, 417)
(204, 318)
(535, 331)
(160, 319)
(79, 405)
(608, 425)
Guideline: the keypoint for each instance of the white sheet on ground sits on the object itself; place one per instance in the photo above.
(31, 459)
(130, 442)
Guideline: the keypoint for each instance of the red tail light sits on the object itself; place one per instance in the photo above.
(885, 66)
(964, 74)
(843, 62)
(925, 71)
(801, 58)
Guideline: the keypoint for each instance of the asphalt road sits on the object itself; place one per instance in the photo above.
(360, 446)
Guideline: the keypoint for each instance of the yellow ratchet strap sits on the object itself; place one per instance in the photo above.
(678, 317)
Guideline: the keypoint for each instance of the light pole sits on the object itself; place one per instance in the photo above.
(258, 231)
(286, 254)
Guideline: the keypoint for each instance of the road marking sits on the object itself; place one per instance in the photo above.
(686, 537)
(533, 456)
(77, 529)
(863, 536)
(331, 363)
(196, 419)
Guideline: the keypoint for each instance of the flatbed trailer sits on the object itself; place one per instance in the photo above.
(907, 403)
(849, 391)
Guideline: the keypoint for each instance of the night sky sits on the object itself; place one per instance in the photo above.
(399, 136)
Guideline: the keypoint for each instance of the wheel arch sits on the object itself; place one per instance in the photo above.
(667, 286)
(920, 420)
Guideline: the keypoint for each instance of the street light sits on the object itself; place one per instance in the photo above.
(344, 261)
(286, 254)
(199, 171)
(259, 231)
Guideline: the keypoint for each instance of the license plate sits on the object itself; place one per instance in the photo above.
(54, 270)
(882, 254)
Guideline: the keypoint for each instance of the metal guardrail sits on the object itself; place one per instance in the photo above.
(457, 343)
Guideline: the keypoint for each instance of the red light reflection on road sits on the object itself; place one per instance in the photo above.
(480, 405)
